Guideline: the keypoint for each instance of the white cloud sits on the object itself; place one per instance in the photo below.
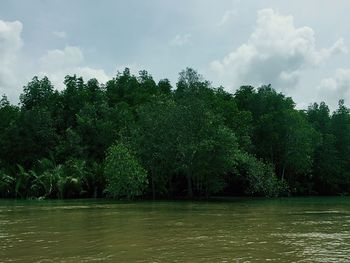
(336, 88)
(276, 52)
(227, 16)
(61, 58)
(60, 34)
(58, 63)
(55, 64)
(181, 40)
(10, 46)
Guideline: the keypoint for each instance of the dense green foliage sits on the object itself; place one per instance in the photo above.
(133, 137)
(124, 175)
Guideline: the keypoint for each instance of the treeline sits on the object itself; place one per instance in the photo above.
(134, 138)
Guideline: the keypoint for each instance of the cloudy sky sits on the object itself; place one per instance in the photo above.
(300, 47)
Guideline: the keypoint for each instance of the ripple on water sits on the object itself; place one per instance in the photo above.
(176, 232)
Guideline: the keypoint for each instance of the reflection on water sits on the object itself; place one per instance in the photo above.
(240, 230)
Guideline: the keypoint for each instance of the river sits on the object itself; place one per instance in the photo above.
(238, 230)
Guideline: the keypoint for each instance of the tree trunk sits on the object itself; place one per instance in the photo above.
(171, 188)
(189, 186)
(283, 171)
(95, 192)
(153, 188)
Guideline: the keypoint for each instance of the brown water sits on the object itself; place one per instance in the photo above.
(240, 230)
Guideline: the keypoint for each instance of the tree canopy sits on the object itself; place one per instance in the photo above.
(133, 137)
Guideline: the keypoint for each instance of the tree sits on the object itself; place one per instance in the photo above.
(281, 135)
(125, 176)
(340, 127)
(32, 137)
(38, 93)
(9, 115)
(204, 146)
(164, 86)
(191, 140)
(122, 88)
(326, 163)
(153, 142)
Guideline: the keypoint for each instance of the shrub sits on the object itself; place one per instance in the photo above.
(125, 177)
(260, 177)
(6, 184)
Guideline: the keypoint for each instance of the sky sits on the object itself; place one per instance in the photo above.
(299, 47)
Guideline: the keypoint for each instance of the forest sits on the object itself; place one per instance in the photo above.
(133, 138)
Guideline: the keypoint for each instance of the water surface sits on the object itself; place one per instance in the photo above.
(239, 230)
